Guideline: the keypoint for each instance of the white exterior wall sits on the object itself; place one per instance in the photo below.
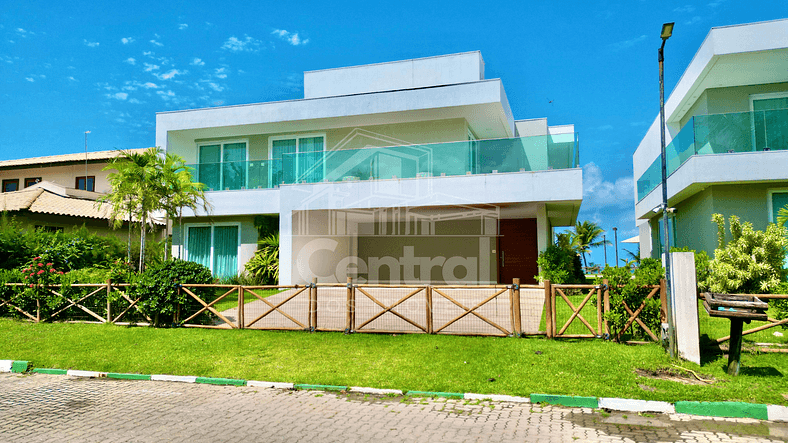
(63, 175)
(405, 74)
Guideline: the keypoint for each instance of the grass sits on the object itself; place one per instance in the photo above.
(409, 362)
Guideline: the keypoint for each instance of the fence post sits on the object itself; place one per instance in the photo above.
(109, 305)
(241, 304)
(607, 306)
(351, 308)
(553, 308)
(663, 300)
(313, 292)
(518, 330)
(38, 311)
(548, 310)
(599, 312)
(430, 328)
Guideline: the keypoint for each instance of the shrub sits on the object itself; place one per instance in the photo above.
(560, 265)
(632, 289)
(158, 289)
(752, 262)
(264, 266)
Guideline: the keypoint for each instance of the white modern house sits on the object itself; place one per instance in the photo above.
(727, 133)
(408, 171)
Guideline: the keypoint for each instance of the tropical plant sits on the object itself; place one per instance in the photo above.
(560, 264)
(632, 289)
(752, 262)
(157, 289)
(264, 266)
(586, 236)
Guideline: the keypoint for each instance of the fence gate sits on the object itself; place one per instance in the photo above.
(563, 307)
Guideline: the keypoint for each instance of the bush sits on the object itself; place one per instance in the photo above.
(157, 288)
(752, 262)
(560, 266)
(632, 289)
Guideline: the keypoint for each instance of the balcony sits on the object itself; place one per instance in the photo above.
(719, 134)
(524, 154)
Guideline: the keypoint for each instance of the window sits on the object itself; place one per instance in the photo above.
(86, 183)
(223, 165)
(215, 247)
(778, 199)
(11, 185)
(661, 234)
(301, 158)
(770, 121)
(31, 181)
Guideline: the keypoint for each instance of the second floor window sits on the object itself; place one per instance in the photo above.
(86, 183)
(31, 181)
(11, 185)
(223, 165)
(300, 159)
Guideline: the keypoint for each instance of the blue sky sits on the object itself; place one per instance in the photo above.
(69, 67)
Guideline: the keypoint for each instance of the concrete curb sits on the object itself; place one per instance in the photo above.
(708, 409)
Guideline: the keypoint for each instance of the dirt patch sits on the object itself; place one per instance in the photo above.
(677, 375)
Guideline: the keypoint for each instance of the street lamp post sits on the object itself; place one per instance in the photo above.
(667, 31)
(86, 159)
(615, 239)
(604, 243)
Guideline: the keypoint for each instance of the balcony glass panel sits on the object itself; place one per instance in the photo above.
(255, 174)
(760, 130)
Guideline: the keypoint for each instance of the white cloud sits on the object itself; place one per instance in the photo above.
(693, 20)
(149, 85)
(147, 53)
(248, 44)
(91, 44)
(626, 44)
(73, 79)
(605, 128)
(166, 95)
(134, 100)
(197, 62)
(183, 26)
(221, 73)
(599, 193)
(170, 74)
(130, 61)
(215, 87)
(23, 33)
(127, 40)
(156, 43)
(686, 8)
(290, 37)
(118, 96)
(30, 79)
(149, 67)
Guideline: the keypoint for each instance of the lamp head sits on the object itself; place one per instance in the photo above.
(87, 132)
(667, 30)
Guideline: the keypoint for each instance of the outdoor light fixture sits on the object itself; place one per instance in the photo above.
(667, 31)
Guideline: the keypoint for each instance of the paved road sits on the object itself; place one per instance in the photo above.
(38, 408)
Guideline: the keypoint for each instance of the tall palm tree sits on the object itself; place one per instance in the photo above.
(587, 236)
(180, 192)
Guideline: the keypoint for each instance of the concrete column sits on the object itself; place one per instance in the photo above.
(543, 231)
(286, 247)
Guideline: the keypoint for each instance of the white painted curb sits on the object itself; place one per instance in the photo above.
(623, 404)
(89, 374)
(495, 397)
(269, 384)
(375, 391)
(5, 365)
(178, 378)
(777, 413)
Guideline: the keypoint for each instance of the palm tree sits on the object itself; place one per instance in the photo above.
(180, 192)
(136, 191)
(587, 236)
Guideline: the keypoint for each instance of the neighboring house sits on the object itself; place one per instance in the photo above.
(727, 134)
(408, 171)
(59, 192)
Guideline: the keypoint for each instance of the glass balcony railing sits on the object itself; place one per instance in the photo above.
(719, 134)
(410, 161)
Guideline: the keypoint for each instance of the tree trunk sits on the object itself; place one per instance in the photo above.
(128, 246)
(142, 242)
(166, 236)
(183, 235)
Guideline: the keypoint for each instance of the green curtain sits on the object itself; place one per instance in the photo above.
(199, 246)
(310, 164)
(225, 251)
(234, 166)
(208, 171)
(283, 171)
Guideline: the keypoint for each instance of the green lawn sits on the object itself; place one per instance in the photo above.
(409, 362)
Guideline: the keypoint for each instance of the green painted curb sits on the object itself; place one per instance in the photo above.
(220, 381)
(320, 387)
(566, 400)
(127, 376)
(723, 409)
(50, 371)
(434, 394)
(19, 366)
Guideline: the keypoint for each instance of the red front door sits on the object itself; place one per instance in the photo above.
(517, 251)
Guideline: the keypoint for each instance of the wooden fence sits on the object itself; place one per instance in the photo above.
(555, 311)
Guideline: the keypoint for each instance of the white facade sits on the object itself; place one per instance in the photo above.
(716, 135)
(392, 158)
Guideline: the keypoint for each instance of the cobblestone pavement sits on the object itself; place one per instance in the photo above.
(37, 408)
